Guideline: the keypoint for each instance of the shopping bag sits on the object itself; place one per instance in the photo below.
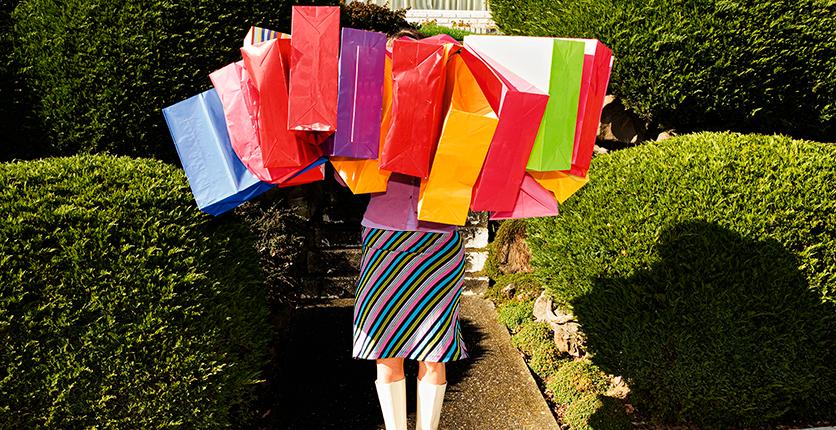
(361, 175)
(314, 63)
(266, 64)
(217, 178)
(466, 134)
(554, 66)
(520, 107)
(258, 35)
(561, 184)
(362, 61)
(314, 172)
(597, 66)
(445, 195)
(418, 77)
(532, 201)
(240, 107)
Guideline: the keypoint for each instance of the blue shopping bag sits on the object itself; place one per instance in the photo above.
(217, 177)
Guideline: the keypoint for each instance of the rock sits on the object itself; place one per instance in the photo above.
(665, 135)
(620, 125)
(509, 291)
(567, 335)
(513, 256)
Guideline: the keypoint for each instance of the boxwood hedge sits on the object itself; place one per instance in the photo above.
(121, 305)
(750, 66)
(702, 269)
(99, 71)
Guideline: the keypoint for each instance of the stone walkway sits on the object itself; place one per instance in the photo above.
(327, 389)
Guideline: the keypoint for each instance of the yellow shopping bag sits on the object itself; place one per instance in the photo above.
(561, 184)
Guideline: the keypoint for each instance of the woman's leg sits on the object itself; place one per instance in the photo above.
(389, 370)
(432, 382)
(391, 391)
(432, 373)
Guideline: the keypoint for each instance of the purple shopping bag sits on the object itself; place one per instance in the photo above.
(360, 99)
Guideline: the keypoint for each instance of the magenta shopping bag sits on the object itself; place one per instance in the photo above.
(360, 99)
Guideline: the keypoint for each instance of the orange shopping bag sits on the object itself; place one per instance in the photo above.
(468, 129)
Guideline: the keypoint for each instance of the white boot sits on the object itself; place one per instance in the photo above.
(430, 398)
(393, 404)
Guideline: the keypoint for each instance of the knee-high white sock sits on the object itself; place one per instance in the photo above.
(393, 404)
(430, 398)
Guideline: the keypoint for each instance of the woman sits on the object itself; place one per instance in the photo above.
(407, 302)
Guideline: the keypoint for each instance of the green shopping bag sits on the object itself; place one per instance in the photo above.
(554, 66)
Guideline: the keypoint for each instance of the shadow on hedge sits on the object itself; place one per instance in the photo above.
(720, 329)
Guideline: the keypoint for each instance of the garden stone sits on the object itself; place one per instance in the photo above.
(567, 335)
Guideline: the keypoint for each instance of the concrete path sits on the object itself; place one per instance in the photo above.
(325, 388)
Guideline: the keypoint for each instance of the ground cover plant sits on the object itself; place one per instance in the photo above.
(122, 305)
(762, 66)
(702, 270)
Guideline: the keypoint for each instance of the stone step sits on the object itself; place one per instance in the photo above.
(329, 287)
(476, 285)
(334, 261)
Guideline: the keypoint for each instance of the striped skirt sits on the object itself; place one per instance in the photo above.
(407, 302)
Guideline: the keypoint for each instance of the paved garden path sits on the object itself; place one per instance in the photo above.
(324, 388)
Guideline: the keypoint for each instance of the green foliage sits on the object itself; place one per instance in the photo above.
(433, 29)
(121, 305)
(372, 17)
(702, 269)
(749, 66)
(596, 412)
(531, 337)
(546, 360)
(575, 379)
(516, 313)
(100, 71)
(280, 234)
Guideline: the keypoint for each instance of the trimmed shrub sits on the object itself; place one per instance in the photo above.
(373, 17)
(97, 90)
(575, 378)
(121, 305)
(702, 269)
(748, 66)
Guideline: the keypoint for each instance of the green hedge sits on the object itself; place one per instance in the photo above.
(99, 71)
(121, 305)
(703, 270)
(752, 66)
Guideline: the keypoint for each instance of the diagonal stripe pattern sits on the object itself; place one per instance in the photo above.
(407, 302)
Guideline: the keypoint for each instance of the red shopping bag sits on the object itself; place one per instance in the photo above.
(519, 106)
(266, 64)
(418, 78)
(240, 107)
(597, 65)
(532, 201)
(314, 63)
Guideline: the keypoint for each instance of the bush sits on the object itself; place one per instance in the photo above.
(97, 90)
(434, 29)
(702, 269)
(532, 337)
(546, 360)
(596, 412)
(372, 17)
(749, 66)
(516, 313)
(121, 305)
(575, 378)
